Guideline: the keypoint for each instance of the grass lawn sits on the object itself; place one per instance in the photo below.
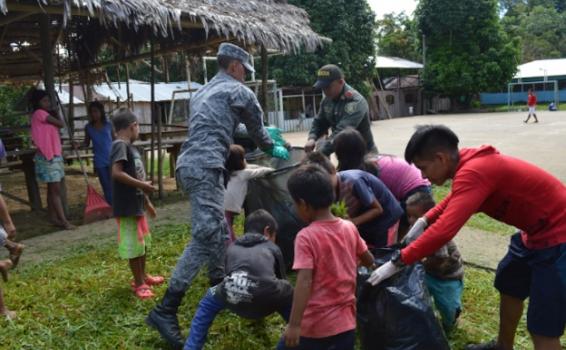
(83, 301)
(479, 221)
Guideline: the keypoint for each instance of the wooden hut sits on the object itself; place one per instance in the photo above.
(62, 40)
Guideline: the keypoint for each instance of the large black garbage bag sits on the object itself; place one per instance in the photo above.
(397, 314)
(270, 193)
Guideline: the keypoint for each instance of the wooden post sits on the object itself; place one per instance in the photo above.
(71, 113)
(128, 86)
(49, 81)
(31, 182)
(155, 115)
(152, 112)
(264, 81)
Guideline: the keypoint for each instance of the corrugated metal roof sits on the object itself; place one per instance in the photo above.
(396, 62)
(141, 91)
(542, 68)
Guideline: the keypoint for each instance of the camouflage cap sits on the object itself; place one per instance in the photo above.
(326, 75)
(236, 52)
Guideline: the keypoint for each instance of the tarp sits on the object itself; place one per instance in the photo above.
(270, 193)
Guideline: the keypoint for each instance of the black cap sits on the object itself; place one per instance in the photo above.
(326, 75)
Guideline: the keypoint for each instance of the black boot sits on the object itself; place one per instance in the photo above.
(164, 319)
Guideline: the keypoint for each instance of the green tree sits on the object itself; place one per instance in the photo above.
(397, 36)
(467, 51)
(351, 26)
(541, 29)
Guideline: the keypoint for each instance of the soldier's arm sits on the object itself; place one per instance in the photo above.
(319, 126)
(245, 103)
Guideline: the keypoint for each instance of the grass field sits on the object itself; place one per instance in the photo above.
(83, 301)
(478, 221)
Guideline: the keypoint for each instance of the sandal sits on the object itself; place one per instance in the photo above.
(143, 292)
(16, 253)
(5, 265)
(150, 281)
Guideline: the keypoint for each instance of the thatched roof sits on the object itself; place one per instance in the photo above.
(274, 24)
(84, 27)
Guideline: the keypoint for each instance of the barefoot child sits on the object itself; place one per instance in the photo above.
(532, 105)
(49, 157)
(7, 231)
(240, 173)
(129, 185)
(327, 253)
(255, 285)
(444, 269)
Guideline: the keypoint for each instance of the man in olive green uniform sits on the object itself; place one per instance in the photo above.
(341, 107)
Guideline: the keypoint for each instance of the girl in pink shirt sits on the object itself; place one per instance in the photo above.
(48, 159)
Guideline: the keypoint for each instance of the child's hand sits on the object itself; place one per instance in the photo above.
(151, 211)
(148, 187)
(292, 336)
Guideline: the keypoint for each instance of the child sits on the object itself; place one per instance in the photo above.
(99, 130)
(129, 185)
(371, 206)
(237, 188)
(401, 178)
(7, 232)
(532, 104)
(510, 190)
(7, 228)
(444, 269)
(327, 253)
(49, 157)
(255, 285)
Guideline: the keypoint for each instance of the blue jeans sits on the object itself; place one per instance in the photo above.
(105, 178)
(207, 310)
(342, 341)
(447, 295)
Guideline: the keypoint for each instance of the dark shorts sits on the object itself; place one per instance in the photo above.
(539, 275)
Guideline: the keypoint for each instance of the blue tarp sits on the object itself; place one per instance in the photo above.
(500, 98)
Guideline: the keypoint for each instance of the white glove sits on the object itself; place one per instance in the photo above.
(416, 230)
(383, 272)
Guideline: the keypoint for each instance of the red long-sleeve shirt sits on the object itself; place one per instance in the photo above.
(507, 189)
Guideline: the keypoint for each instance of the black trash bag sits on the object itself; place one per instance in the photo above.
(397, 314)
(270, 193)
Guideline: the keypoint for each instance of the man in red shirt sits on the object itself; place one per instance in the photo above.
(511, 191)
(532, 103)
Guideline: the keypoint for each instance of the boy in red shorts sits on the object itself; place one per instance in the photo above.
(511, 191)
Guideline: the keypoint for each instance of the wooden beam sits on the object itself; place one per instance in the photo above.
(14, 17)
(145, 55)
(264, 62)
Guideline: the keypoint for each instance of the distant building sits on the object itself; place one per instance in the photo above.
(546, 77)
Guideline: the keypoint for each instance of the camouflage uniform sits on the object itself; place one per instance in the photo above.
(217, 109)
(350, 109)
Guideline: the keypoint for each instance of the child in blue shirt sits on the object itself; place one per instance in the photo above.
(371, 206)
(99, 131)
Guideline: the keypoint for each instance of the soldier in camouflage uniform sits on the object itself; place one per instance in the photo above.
(341, 107)
(216, 110)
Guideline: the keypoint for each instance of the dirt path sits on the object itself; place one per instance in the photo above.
(58, 244)
(479, 248)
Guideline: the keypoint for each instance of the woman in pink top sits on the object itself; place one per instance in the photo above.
(48, 159)
(402, 178)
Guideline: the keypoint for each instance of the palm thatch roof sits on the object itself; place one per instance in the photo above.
(271, 23)
(82, 28)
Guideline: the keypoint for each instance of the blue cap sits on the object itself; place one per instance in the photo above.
(236, 52)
